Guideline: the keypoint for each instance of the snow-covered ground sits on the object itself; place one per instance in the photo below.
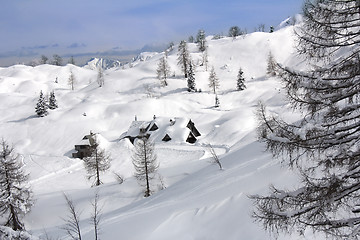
(200, 201)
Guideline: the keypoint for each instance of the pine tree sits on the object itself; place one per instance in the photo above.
(41, 106)
(57, 60)
(163, 71)
(183, 57)
(324, 145)
(52, 101)
(144, 160)
(72, 60)
(213, 80)
(201, 41)
(44, 59)
(98, 162)
(191, 78)
(234, 31)
(240, 81)
(15, 197)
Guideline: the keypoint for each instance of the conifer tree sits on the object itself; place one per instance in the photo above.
(15, 196)
(41, 106)
(201, 40)
(57, 60)
(191, 78)
(52, 101)
(72, 80)
(98, 162)
(213, 80)
(324, 145)
(144, 160)
(183, 57)
(271, 66)
(163, 71)
(234, 31)
(100, 77)
(72, 60)
(240, 81)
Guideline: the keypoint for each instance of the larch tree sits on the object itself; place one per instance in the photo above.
(214, 83)
(191, 78)
(52, 101)
(98, 162)
(324, 145)
(145, 163)
(163, 71)
(16, 197)
(72, 222)
(240, 83)
(100, 77)
(183, 57)
(41, 106)
(72, 81)
(205, 59)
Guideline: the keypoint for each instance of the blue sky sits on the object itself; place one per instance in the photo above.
(29, 28)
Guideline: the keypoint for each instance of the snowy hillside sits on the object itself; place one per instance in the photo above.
(200, 201)
(96, 63)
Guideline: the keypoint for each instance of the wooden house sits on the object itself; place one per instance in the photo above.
(84, 147)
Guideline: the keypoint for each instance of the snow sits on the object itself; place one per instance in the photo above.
(200, 201)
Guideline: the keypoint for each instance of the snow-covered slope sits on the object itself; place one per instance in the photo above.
(96, 63)
(200, 201)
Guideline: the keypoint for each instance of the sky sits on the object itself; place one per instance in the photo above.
(31, 28)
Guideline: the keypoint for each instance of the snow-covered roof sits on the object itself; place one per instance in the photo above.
(175, 128)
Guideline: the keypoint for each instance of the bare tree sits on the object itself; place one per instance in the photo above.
(72, 222)
(163, 71)
(96, 216)
(15, 197)
(99, 161)
(214, 83)
(72, 80)
(205, 59)
(144, 161)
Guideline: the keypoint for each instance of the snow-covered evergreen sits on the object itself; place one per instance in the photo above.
(240, 83)
(52, 101)
(41, 106)
(191, 78)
